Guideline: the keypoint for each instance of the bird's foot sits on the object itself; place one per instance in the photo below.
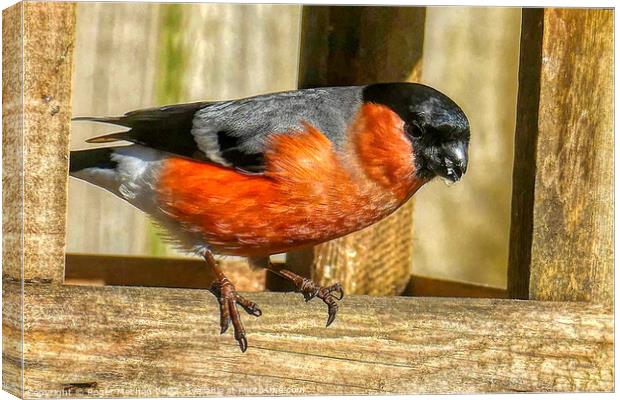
(229, 298)
(310, 289)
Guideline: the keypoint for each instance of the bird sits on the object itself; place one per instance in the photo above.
(276, 172)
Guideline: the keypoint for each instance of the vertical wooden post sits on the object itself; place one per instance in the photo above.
(49, 38)
(38, 40)
(351, 46)
(562, 213)
(343, 45)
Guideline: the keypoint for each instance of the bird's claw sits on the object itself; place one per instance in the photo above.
(332, 309)
(229, 298)
(310, 290)
(326, 294)
(243, 343)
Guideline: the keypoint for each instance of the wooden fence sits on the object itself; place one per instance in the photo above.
(121, 341)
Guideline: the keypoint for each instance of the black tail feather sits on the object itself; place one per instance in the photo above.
(92, 158)
(167, 128)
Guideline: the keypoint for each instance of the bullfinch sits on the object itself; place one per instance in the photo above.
(272, 173)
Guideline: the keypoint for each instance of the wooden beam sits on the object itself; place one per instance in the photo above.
(562, 213)
(166, 342)
(48, 40)
(36, 84)
(352, 46)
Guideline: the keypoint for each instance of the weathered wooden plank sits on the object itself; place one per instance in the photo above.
(36, 82)
(123, 341)
(49, 36)
(349, 46)
(12, 182)
(562, 235)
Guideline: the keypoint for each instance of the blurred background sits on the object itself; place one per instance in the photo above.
(131, 56)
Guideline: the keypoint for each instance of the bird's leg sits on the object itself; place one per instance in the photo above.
(310, 289)
(228, 298)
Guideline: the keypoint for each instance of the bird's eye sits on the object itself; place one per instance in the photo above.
(413, 129)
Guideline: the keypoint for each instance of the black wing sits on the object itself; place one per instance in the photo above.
(235, 133)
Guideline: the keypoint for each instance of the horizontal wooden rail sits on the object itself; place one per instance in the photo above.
(119, 342)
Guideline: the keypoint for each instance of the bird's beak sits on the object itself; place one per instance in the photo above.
(454, 161)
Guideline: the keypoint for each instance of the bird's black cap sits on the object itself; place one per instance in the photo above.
(436, 125)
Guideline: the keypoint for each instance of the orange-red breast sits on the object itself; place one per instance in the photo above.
(268, 174)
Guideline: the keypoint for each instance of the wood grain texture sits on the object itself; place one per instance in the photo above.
(165, 342)
(37, 50)
(12, 184)
(566, 128)
(352, 46)
(49, 36)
